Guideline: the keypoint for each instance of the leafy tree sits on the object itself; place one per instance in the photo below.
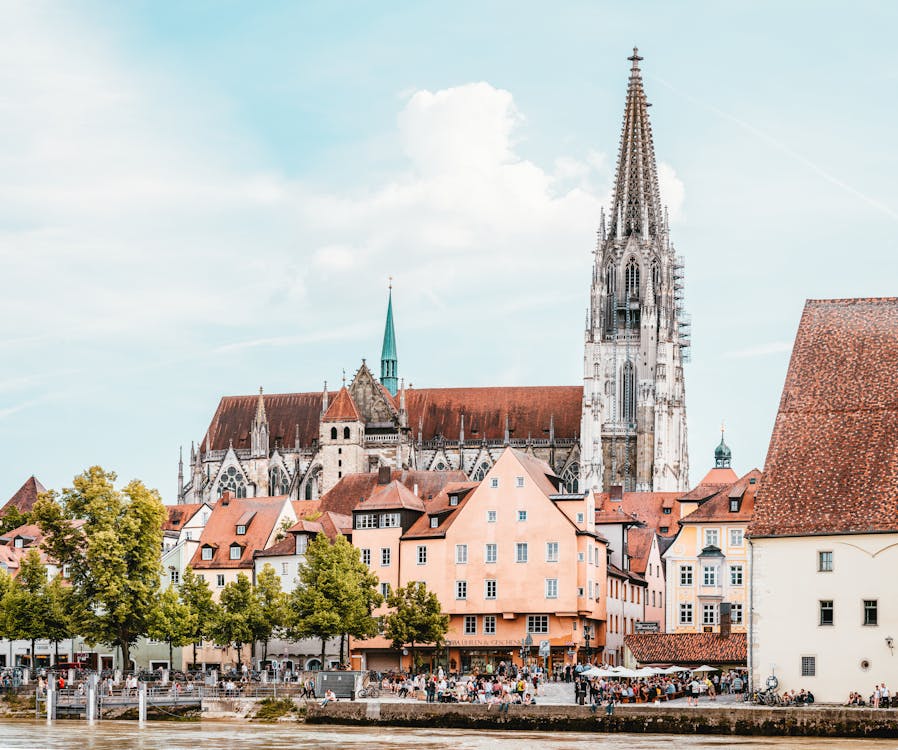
(26, 604)
(236, 616)
(12, 519)
(195, 593)
(416, 617)
(336, 595)
(271, 605)
(60, 620)
(172, 621)
(110, 540)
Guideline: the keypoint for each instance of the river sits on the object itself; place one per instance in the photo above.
(124, 735)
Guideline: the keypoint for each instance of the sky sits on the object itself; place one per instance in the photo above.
(199, 198)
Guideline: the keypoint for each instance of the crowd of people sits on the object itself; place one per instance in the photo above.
(503, 686)
(879, 698)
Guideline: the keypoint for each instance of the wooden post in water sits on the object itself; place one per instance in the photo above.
(51, 700)
(142, 702)
(91, 708)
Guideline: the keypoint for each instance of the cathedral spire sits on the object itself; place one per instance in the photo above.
(259, 432)
(637, 199)
(389, 363)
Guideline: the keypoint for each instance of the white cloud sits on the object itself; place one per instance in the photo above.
(673, 191)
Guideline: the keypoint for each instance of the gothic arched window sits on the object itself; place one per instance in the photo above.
(232, 481)
(278, 481)
(481, 472)
(440, 467)
(333, 433)
(346, 433)
(571, 478)
(313, 485)
(610, 295)
(628, 392)
(631, 278)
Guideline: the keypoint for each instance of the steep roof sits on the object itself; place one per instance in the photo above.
(353, 488)
(717, 508)
(221, 530)
(180, 515)
(25, 497)
(688, 648)
(832, 464)
(30, 532)
(714, 481)
(392, 496)
(441, 507)
(639, 547)
(644, 507)
(342, 409)
(287, 413)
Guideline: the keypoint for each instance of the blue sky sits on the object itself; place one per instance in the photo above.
(199, 198)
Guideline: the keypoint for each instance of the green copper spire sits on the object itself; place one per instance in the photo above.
(722, 453)
(389, 363)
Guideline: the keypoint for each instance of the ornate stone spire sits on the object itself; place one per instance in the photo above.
(389, 363)
(259, 433)
(637, 199)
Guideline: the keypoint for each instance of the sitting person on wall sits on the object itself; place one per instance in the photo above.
(329, 696)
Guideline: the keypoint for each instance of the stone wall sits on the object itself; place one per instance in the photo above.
(799, 722)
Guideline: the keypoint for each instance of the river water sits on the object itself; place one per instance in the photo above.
(123, 735)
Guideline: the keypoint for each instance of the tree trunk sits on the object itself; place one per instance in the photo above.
(194, 654)
(56, 649)
(342, 643)
(323, 649)
(239, 656)
(414, 664)
(33, 659)
(265, 650)
(171, 658)
(126, 654)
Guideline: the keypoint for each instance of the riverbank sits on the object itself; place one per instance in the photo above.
(639, 719)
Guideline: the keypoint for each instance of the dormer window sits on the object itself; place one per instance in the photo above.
(206, 554)
(236, 552)
(434, 522)
(734, 505)
(18, 542)
(453, 499)
(241, 529)
(302, 543)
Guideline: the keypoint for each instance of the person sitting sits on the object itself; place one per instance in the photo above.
(329, 696)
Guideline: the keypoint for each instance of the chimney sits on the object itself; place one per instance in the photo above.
(226, 497)
(617, 493)
(725, 619)
(383, 474)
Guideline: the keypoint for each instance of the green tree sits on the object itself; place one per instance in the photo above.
(336, 595)
(110, 540)
(271, 606)
(236, 616)
(195, 593)
(26, 604)
(12, 519)
(172, 621)
(60, 621)
(416, 618)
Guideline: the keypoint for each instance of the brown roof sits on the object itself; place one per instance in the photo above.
(714, 481)
(353, 488)
(25, 497)
(529, 410)
(646, 507)
(639, 547)
(687, 648)
(440, 506)
(29, 531)
(394, 495)
(717, 508)
(832, 465)
(342, 409)
(179, 515)
(221, 531)
(630, 575)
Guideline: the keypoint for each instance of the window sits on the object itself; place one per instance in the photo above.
(174, 576)
(734, 505)
(453, 500)
(19, 543)
(285, 569)
(709, 575)
(709, 614)
(494, 482)
(491, 516)
(206, 553)
(664, 529)
(551, 551)
(366, 556)
(385, 554)
(581, 557)
(333, 433)
(434, 522)
(870, 613)
(736, 537)
(346, 433)
(685, 575)
(278, 481)
(712, 538)
(489, 588)
(491, 553)
(736, 614)
(537, 623)
(236, 552)
(551, 588)
(825, 562)
(666, 511)
(735, 575)
(470, 624)
(489, 624)
(808, 666)
(628, 392)
(580, 591)
(461, 589)
(631, 278)
(241, 530)
(219, 580)
(827, 613)
(571, 479)
(461, 554)
(480, 474)
(579, 518)
(302, 543)
(685, 614)
(519, 482)
(232, 481)
(384, 589)
(389, 520)
(366, 521)
(520, 554)
(422, 555)
(522, 515)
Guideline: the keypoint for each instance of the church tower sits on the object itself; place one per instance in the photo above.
(633, 426)
(389, 363)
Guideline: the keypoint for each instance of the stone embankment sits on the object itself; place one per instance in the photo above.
(770, 722)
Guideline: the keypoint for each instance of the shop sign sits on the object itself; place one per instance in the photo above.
(648, 627)
(463, 642)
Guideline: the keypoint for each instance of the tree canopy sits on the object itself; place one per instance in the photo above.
(416, 617)
(236, 616)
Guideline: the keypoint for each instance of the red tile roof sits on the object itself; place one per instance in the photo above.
(440, 506)
(353, 488)
(25, 497)
(688, 649)
(832, 465)
(29, 531)
(221, 531)
(646, 507)
(529, 410)
(392, 496)
(179, 515)
(717, 508)
(714, 481)
(342, 409)
(639, 547)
